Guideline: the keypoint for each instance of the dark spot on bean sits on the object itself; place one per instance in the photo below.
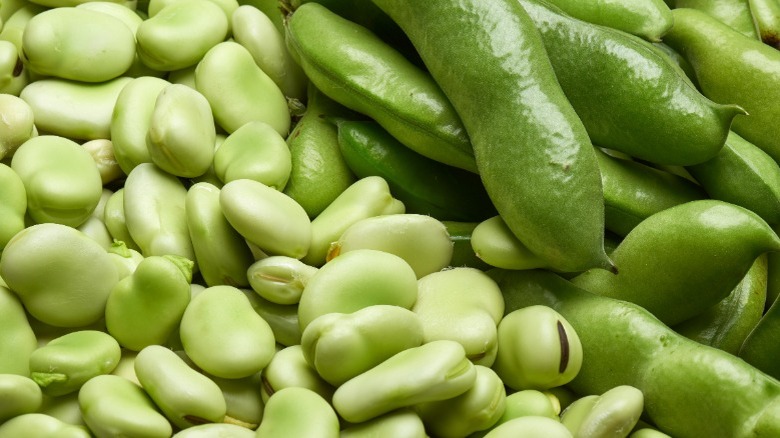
(18, 67)
(564, 339)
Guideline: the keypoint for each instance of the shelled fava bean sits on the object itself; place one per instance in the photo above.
(307, 218)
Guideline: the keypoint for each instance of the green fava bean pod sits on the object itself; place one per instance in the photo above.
(131, 118)
(318, 171)
(73, 109)
(285, 409)
(728, 323)
(222, 254)
(79, 274)
(185, 396)
(19, 394)
(254, 151)
(355, 280)
(287, 369)
(180, 34)
(537, 349)
(19, 125)
(65, 363)
(266, 217)
(366, 197)
(475, 410)
(745, 175)
(402, 422)
(737, 14)
(340, 346)
(421, 240)
(437, 370)
(634, 191)
(36, 425)
(504, 89)
(649, 19)
(626, 345)
(759, 347)
(280, 279)
(732, 68)
(767, 16)
(114, 406)
(154, 207)
(78, 44)
(181, 132)
(256, 31)
(638, 102)
(61, 180)
(239, 91)
(530, 426)
(357, 69)
(463, 305)
(17, 338)
(494, 243)
(13, 204)
(223, 335)
(425, 186)
(700, 251)
(146, 307)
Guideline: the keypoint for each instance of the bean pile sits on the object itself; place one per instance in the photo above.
(389, 218)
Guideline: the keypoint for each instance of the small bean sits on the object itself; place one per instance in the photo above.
(280, 279)
(288, 368)
(36, 425)
(18, 121)
(285, 408)
(18, 395)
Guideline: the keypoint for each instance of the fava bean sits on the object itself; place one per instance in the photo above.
(495, 244)
(17, 339)
(282, 318)
(36, 425)
(215, 429)
(289, 368)
(402, 422)
(13, 204)
(18, 125)
(244, 400)
(280, 279)
(285, 408)
(531, 426)
(254, 151)
(18, 395)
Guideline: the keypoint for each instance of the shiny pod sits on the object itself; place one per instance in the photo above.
(114, 218)
(280, 279)
(185, 396)
(342, 345)
(222, 254)
(130, 120)
(102, 152)
(19, 125)
(180, 34)
(223, 430)
(181, 132)
(223, 335)
(766, 14)
(531, 426)
(61, 180)
(424, 185)
(285, 409)
(733, 68)
(366, 197)
(78, 44)
(357, 69)
(494, 243)
(759, 347)
(19, 394)
(318, 171)
(737, 14)
(700, 252)
(146, 307)
(633, 191)
(13, 204)
(745, 175)
(649, 19)
(537, 349)
(67, 362)
(266, 217)
(37, 425)
(556, 209)
(477, 409)
(402, 422)
(73, 109)
(437, 370)
(463, 305)
(421, 240)
(114, 406)
(355, 280)
(156, 219)
(17, 338)
(612, 414)
(288, 368)
(254, 151)
(79, 274)
(728, 323)
(239, 91)
(630, 97)
(256, 31)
